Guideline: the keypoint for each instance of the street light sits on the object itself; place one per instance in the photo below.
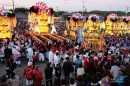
(83, 8)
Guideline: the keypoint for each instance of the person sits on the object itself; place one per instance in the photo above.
(63, 82)
(41, 56)
(126, 81)
(77, 64)
(56, 58)
(48, 75)
(72, 82)
(10, 66)
(57, 74)
(93, 81)
(28, 74)
(51, 56)
(80, 70)
(37, 77)
(35, 59)
(106, 80)
(3, 80)
(7, 52)
(115, 71)
(29, 53)
(14, 80)
(67, 69)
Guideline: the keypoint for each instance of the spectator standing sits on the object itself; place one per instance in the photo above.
(28, 75)
(67, 69)
(48, 75)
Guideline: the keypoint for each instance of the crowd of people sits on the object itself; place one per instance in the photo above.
(109, 66)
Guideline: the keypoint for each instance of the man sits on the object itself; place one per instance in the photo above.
(115, 71)
(56, 58)
(48, 75)
(51, 57)
(29, 53)
(67, 68)
(77, 64)
(37, 77)
(29, 80)
(7, 52)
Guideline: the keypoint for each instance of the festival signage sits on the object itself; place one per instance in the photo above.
(80, 35)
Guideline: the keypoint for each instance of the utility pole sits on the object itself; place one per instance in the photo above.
(57, 10)
(110, 8)
(127, 9)
(13, 5)
(83, 8)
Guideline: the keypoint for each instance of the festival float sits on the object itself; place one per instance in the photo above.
(126, 21)
(111, 24)
(8, 22)
(93, 23)
(93, 38)
(73, 23)
(41, 22)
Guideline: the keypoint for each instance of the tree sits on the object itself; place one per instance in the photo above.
(20, 9)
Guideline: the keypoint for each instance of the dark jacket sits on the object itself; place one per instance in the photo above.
(67, 67)
(48, 72)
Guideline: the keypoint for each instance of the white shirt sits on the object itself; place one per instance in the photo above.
(56, 58)
(51, 56)
(30, 51)
(80, 71)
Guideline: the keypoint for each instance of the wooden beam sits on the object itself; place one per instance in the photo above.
(43, 37)
(54, 37)
(60, 37)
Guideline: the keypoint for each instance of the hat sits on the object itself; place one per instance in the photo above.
(29, 63)
(109, 52)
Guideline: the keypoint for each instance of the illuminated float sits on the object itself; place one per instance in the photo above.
(7, 23)
(111, 24)
(73, 23)
(41, 22)
(93, 38)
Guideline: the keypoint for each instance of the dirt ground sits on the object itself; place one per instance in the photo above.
(19, 71)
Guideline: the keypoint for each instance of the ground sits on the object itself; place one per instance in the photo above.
(19, 71)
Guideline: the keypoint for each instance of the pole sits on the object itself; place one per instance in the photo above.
(13, 5)
(83, 8)
(57, 10)
(126, 10)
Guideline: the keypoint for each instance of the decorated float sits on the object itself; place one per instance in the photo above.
(111, 24)
(126, 22)
(7, 23)
(93, 23)
(93, 38)
(41, 22)
(74, 22)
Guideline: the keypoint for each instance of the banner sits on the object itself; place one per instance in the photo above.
(80, 35)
